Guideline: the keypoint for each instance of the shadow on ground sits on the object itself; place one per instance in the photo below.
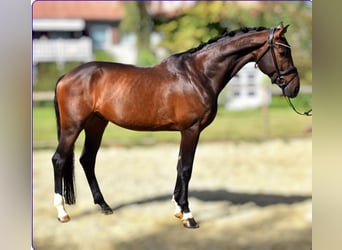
(261, 200)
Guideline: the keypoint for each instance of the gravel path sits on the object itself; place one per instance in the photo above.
(244, 195)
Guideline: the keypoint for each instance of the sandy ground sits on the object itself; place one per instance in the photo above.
(245, 196)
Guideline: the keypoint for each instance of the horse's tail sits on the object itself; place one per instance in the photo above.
(68, 169)
(55, 101)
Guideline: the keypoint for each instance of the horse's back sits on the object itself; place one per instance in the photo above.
(89, 77)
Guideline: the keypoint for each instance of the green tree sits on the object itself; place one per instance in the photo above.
(210, 18)
(138, 21)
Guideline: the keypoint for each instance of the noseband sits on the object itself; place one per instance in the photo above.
(282, 83)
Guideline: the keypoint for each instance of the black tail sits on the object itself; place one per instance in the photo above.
(57, 111)
(68, 165)
(69, 180)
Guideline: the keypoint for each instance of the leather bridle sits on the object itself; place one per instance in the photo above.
(279, 80)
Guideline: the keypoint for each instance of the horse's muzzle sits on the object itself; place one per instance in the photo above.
(292, 88)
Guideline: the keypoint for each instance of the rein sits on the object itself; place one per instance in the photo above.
(282, 83)
(306, 113)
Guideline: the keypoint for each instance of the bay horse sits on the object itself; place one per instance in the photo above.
(178, 94)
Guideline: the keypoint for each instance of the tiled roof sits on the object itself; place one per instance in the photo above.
(92, 10)
(101, 10)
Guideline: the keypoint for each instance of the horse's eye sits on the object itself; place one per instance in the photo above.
(282, 53)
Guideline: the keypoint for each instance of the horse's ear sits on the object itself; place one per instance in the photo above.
(280, 26)
(282, 29)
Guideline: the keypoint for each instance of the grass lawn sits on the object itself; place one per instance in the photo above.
(279, 122)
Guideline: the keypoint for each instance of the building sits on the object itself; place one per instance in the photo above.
(246, 90)
(71, 30)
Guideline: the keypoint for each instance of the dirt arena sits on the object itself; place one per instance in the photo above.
(245, 196)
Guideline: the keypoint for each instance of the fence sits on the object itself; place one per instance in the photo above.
(62, 50)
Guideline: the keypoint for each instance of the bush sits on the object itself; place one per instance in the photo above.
(45, 75)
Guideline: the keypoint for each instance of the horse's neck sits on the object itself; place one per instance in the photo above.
(224, 59)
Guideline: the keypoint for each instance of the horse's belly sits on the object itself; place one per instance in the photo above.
(142, 118)
(140, 124)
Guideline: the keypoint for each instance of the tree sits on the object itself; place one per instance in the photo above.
(138, 21)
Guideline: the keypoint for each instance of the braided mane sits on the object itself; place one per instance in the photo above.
(231, 33)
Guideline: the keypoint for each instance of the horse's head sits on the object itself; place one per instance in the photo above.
(276, 62)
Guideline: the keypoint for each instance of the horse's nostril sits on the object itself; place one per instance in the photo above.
(296, 90)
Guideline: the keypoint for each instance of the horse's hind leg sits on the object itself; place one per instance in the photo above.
(63, 163)
(94, 129)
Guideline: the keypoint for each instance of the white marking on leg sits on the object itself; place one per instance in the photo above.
(178, 209)
(59, 204)
(187, 216)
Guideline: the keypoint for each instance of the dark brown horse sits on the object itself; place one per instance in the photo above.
(179, 94)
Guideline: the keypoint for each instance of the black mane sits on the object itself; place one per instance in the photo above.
(227, 33)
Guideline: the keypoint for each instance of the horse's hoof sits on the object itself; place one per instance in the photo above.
(190, 223)
(107, 211)
(64, 218)
(179, 215)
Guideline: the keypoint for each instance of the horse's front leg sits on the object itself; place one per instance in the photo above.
(184, 169)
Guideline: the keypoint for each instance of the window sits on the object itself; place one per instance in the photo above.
(99, 35)
(236, 93)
